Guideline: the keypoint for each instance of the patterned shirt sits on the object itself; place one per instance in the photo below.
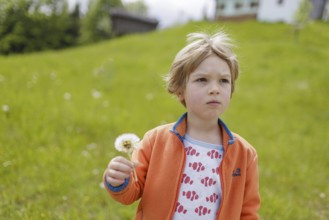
(200, 192)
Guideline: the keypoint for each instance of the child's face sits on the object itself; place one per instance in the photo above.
(208, 89)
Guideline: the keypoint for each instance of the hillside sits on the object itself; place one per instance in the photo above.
(61, 111)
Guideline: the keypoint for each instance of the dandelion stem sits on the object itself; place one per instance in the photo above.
(134, 170)
(128, 143)
(135, 175)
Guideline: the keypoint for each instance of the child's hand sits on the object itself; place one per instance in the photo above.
(118, 170)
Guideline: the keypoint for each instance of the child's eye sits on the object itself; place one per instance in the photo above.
(224, 81)
(201, 80)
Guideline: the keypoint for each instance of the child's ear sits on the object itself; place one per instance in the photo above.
(180, 96)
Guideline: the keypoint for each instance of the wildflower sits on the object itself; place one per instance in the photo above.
(96, 94)
(95, 172)
(85, 153)
(7, 163)
(149, 96)
(105, 104)
(53, 75)
(98, 71)
(91, 146)
(322, 195)
(35, 78)
(303, 85)
(127, 143)
(67, 96)
(5, 108)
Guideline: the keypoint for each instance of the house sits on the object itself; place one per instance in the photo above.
(325, 15)
(320, 9)
(127, 23)
(277, 10)
(283, 10)
(236, 9)
(267, 10)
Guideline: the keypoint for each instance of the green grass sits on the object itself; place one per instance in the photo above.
(57, 137)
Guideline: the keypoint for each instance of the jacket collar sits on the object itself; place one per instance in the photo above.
(179, 128)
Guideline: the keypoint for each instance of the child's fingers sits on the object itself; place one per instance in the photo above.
(114, 182)
(117, 175)
(118, 170)
(121, 160)
(121, 164)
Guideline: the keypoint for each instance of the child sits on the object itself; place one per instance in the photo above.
(195, 168)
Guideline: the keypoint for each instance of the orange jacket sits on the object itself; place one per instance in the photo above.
(161, 163)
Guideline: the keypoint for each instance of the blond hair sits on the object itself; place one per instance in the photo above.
(200, 47)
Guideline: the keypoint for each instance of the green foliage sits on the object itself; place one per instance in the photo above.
(137, 7)
(96, 25)
(61, 112)
(302, 16)
(34, 25)
(303, 12)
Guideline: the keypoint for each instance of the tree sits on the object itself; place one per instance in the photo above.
(301, 17)
(73, 30)
(137, 7)
(13, 22)
(34, 25)
(96, 25)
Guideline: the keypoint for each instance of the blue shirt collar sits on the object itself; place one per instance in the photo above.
(179, 128)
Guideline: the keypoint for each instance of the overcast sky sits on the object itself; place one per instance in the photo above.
(170, 12)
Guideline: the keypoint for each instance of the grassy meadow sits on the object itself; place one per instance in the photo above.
(61, 111)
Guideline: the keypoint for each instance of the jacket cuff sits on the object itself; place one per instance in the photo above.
(117, 188)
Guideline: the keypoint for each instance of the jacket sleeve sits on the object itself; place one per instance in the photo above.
(131, 190)
(251, 202)
(126, 193)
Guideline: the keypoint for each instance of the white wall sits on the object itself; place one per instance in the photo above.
(271, 11)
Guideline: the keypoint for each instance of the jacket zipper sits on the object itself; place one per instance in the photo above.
(222, 186)
(178, 185)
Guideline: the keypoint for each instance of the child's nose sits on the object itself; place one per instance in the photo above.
(214, 89)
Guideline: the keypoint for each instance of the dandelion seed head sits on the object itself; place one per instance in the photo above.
(149, 96)
(35, 78)
(67, 96)
(96, 94)
(7, 163)
(5, 108)
(85, 153)
(98, 71)
(127, 143)
(91, 146)
(303, 85)
(95, 172)
(53, 75)
(105, 104)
